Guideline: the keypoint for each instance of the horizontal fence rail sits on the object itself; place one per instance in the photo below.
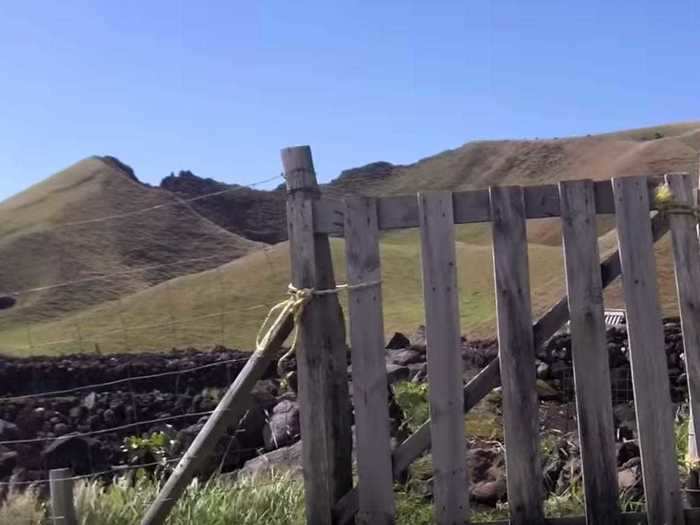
(402, 211)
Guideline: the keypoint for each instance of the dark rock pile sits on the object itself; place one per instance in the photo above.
(555, 363)
(85, 429)
(48, 430)
(33, 375)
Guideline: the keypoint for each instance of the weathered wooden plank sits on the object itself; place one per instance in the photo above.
(541, 201)
(648, 358)
(516, 355)
(686, 259)
(589, 351)
(376, 498)
(401, 211)
(444, 357)
(395, 212)
(321, 354)
(489, 377)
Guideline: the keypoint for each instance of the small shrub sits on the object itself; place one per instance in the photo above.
(156, 447)
(413, 400)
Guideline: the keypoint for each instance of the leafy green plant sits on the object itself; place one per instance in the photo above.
(413, 400)
(156, 447)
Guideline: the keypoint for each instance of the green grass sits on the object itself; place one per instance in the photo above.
(228, 304)
(275, 501)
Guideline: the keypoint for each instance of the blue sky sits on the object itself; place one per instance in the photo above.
(220, 87)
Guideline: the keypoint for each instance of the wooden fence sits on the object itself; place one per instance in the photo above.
(323, 388)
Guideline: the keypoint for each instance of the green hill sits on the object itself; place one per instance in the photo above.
(48, 235)
(225, 304)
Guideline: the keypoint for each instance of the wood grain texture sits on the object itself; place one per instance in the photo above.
(589, 351)
(516, 355)
(369, 382)
(397, 212)
(686, 259)
(325, 413)
(647, 355)
(443, 336)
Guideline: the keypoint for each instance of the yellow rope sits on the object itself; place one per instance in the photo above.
(663, 198)
(294, 306)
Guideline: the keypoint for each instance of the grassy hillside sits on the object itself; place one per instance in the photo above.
(647, 151)
(48, 235)
(227, 305)
(162, 308)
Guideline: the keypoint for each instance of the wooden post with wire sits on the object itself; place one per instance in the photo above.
(322, 352)
(61, 490)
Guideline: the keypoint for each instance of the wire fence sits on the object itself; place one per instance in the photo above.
(129, 380)
(177, 201)
(199, 321)
(177, 328)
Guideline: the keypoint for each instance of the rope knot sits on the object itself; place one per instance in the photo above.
(294, 306)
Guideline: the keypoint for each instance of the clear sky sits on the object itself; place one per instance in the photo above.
(220, 87)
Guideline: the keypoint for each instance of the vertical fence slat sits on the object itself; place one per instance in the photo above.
(516, 355)
(648, 357)
(589, 350)
(61, 489)
(686, 258)
(322, 352)
(368, 363)
(444, 357)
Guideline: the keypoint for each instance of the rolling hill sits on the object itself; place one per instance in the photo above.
(49, 235)
(227, 303)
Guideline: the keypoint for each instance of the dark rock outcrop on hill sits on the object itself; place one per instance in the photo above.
(362, 179)
(121, 166)
(255, 214)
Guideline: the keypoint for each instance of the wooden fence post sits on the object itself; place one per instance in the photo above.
(516, 355)
(652, 397)
(445, 366)
(686, 258)
(369, 382)
(589, 350)
(61, 488)
(322, 353)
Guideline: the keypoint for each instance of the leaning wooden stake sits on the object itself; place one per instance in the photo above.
(229, 410)
(61, 488)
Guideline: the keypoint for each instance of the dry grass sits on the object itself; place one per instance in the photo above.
(22, 508)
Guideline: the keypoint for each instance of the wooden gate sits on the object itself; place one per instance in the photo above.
(323, 386)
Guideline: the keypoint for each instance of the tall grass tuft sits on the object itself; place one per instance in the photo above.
(22, 508)
(277, 500)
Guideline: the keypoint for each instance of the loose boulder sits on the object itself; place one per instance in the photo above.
(282, 428)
